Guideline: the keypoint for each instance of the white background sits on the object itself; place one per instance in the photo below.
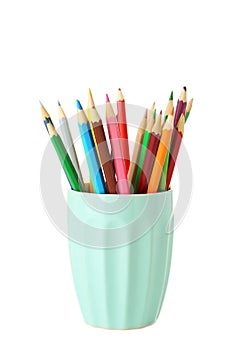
(57, 49)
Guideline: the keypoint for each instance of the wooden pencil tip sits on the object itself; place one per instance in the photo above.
(185, 89)
(161, 112)
(153, 106)
(120, 96)
(78, 105)
(41, 103)
(107, 98)
(58, 102)
(171, 96)
(90, 103)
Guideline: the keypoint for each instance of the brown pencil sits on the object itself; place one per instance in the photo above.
(175, 147)
(104, 154)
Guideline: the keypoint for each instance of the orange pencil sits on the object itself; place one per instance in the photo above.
(161, 154)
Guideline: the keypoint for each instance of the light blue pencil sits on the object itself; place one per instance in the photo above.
(94, 167)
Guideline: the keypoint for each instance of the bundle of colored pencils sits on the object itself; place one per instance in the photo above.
(155, 152)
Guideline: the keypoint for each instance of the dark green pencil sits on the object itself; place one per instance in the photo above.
(64, 158)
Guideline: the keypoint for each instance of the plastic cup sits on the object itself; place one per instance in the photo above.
(120, 252)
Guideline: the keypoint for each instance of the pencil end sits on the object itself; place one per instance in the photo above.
(59, 104)
(171, 96)
(107, 98)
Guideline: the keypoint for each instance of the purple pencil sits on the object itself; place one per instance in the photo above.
(181, 105)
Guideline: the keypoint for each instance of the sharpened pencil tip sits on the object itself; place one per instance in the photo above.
(120, 97)
(58, 102)
(171, 96)
(90, 102)
(161, 112)
(107, 98)
(41, 103)
(78, 105)
(184, 88)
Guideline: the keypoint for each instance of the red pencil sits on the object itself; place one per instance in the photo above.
(122, 123)
(175, 146)
(114, 136)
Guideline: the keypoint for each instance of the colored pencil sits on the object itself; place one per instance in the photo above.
(181, 105)
(63, 156)
(137, 150)
(168, 110)
(45, 115)
(68, 142)
(175, 147)
(188, 109)
(114, 136)
(90, 106)
(161, 154)
(90, 151)
(150, 155)
(122, 123)
(91, 188)
(102, 146)
(146, 138)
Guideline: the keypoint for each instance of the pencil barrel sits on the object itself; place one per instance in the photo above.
(66, 163)
(68, 142)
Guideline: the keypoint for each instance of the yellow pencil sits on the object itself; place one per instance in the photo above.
(91, 109)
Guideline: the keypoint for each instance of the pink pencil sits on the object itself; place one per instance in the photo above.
(114, 136)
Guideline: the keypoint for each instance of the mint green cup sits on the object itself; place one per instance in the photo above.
(120, 251)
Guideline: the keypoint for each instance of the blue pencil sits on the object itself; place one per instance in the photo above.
(90, 151)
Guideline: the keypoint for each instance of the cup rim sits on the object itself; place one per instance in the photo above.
(161, 193)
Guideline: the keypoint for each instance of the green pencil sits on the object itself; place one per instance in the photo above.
(150, 122)
(64, 158)
(162, 184)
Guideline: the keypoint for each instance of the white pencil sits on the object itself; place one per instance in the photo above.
(68, 142)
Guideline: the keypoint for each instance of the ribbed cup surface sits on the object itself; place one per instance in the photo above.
(121, 286)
